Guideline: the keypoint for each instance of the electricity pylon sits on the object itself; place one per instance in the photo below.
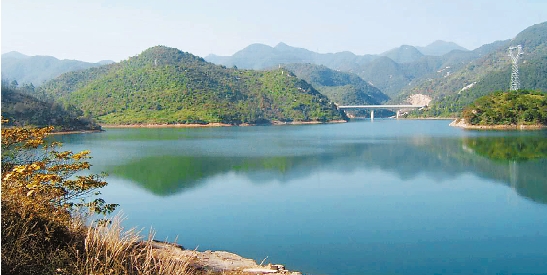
(515, 82)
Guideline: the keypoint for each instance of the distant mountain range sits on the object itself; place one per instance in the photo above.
(407, 53)
(440, 70)
(260, 56)
(136, 91)
(38, 69)
(390, 71)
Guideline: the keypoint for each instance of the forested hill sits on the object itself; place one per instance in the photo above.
(508, 108)
(342, 87)
(20, 108)
(166, 85)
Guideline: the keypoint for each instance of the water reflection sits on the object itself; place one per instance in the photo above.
(512, 148)
(388, 197)
(517, 161)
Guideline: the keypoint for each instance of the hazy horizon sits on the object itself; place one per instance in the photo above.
(116, 30)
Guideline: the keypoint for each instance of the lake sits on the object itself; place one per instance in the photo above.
(365, 197)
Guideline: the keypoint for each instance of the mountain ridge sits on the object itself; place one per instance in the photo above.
(436, 48)
(390, 72)
(404, 54)
(440, 47)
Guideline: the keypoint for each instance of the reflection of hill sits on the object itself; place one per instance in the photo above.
(520, 149)
(184, 172)
(437, 158)
(532, 181)
(523, 158)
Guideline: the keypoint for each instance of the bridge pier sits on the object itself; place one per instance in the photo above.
(398, 113)
(371, 114)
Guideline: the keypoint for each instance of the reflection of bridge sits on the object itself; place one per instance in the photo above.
(389, 107)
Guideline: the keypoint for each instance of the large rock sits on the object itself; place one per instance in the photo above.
(217, 261)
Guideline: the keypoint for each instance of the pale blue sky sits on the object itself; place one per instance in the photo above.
(96, 30)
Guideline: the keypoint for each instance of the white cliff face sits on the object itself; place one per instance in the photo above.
(419, 99)
(467, 87)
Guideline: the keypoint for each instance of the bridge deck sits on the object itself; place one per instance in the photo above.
(381, 107)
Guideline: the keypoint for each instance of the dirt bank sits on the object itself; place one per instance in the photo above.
(196, 125)
(212, 124)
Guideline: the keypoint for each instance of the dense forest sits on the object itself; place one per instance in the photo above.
(167, 86)
(508, 108)
(21, 108)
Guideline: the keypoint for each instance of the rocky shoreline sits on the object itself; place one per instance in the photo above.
(217, 261)
(463, 124)
(75, 132)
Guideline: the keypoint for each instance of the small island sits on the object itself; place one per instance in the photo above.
(520, 110)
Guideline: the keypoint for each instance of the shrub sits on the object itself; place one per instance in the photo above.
(43, 231)
(40, 196)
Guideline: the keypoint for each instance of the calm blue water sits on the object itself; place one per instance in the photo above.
(382, 197)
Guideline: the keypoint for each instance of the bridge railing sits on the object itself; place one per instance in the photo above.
(381, 106)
